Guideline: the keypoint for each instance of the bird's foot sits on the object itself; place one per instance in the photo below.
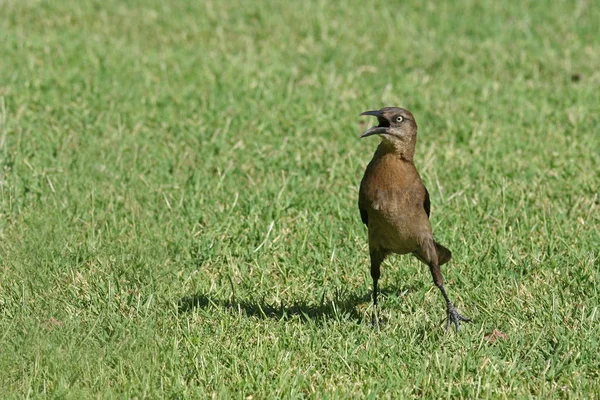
(376, 320)
(454, 318)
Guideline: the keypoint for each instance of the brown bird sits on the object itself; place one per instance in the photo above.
(394, 203)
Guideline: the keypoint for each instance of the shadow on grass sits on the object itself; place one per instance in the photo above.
(340, 307)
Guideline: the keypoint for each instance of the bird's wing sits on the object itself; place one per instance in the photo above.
(363, 214)
(427, 203)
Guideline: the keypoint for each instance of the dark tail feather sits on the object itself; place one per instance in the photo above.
(444, 255)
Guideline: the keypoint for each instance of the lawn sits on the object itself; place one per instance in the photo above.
(178, 188)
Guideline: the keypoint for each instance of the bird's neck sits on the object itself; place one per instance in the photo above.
(403, 149)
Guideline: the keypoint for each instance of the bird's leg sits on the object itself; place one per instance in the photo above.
(376, 260)
(375, 315)
(429, 253)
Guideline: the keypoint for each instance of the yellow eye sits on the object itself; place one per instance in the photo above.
(399, 119)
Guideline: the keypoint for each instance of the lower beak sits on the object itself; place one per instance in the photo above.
(376, 130)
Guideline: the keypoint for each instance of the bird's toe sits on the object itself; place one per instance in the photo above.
(454, 318)
(376, 321)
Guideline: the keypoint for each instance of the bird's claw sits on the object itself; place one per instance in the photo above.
(376, 321)
(455, 318)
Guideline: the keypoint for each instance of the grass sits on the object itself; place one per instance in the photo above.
(178, 186)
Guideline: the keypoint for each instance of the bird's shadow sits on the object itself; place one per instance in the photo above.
(340, 306)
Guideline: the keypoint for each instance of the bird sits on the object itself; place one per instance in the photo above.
(395, 205)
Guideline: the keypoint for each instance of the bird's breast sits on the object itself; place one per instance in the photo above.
(394, 203)
(391, 186)
(397, 219)
(392, 195)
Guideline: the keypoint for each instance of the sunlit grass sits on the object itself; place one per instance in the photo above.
(178, 186)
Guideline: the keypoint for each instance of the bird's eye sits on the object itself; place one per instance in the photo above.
(399, 119)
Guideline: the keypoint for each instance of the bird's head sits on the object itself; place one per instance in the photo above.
(395, 125)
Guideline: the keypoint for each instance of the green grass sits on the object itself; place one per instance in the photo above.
(178, 185)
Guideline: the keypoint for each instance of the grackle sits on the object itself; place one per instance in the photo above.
(394, 203)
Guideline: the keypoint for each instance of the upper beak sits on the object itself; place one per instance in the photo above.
(375, 113)
(375, 130)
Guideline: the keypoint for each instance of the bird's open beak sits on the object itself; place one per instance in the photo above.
(376, 130)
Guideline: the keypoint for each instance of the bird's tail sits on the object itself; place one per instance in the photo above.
(444, 255)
